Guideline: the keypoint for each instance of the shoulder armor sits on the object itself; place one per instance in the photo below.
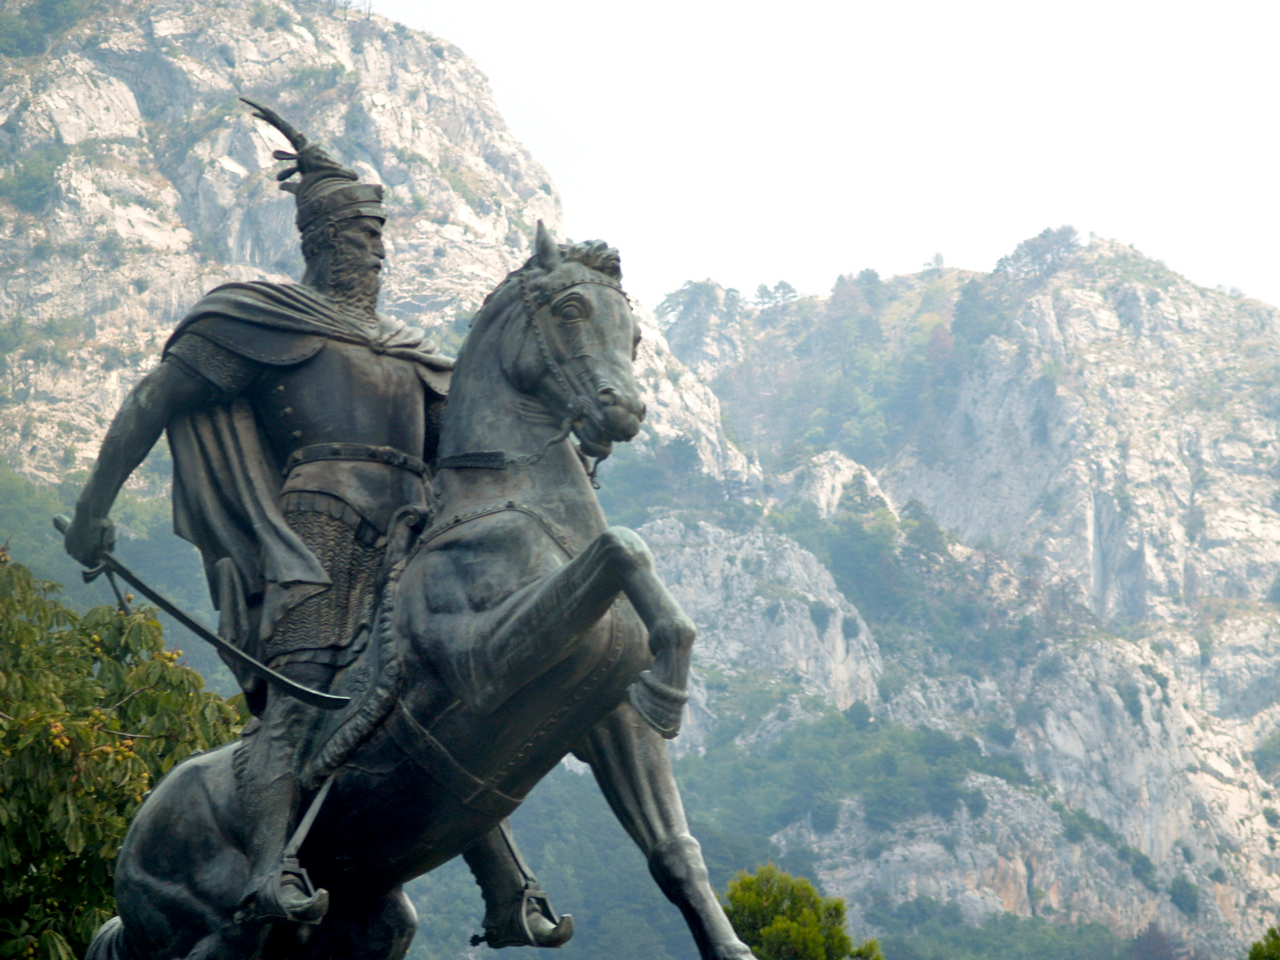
(281, 348)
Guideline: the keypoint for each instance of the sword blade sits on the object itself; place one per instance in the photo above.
(315, 698)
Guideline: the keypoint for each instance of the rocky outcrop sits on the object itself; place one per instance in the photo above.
(137, 182)
(821, 481)
(705, 324)
(682, 409)
(1124, 430)
(764, 606)
(1109, 448)
(1109, 730)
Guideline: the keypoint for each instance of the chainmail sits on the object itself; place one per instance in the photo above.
(229, 372)
(321, 628)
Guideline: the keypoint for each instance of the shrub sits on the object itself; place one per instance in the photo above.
(92, 710)
(1041, 256)
(1185, 895)
(782, 917)
(1268, 948)
(858, 714)
(1141, 866)
(24, 33)
(32, 183)
(825, 815)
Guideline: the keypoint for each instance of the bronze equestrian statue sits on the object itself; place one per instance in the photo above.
(507, 627)
(299, 421)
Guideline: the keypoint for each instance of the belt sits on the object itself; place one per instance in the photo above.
(355, 451)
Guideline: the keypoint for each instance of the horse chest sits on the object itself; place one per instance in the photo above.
(491, 758)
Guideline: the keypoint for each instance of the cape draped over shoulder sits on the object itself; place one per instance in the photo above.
(226, 482)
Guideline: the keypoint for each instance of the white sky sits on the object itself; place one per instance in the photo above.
(799, 140)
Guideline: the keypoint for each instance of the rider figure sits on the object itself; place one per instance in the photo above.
(299, 421)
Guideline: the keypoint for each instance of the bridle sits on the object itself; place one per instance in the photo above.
(577, 405)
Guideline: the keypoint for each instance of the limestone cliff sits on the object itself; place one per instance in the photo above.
(135, 182)
(1124, 429)
(765, 607)
(1100, 437)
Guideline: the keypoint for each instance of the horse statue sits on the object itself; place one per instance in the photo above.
(514, 627)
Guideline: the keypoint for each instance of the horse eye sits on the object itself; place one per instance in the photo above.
(571, 311)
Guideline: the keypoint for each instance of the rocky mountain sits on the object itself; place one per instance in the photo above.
(1022, 522)
(135, 181)
(1105, 433)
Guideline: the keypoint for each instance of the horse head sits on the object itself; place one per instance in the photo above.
(577, 342)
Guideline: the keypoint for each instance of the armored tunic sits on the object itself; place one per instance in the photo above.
(287, 482)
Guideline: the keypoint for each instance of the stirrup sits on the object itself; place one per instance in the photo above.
(530, 922)
(285, 894)
(661, 704)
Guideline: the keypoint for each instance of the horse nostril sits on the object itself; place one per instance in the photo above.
(640, 415)
(608, 396)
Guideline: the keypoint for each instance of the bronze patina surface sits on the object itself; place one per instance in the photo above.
(446, 566)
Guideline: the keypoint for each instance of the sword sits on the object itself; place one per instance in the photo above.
(110, 565)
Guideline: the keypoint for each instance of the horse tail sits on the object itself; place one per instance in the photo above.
(109, 943)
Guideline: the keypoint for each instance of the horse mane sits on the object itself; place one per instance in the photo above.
(593, 254)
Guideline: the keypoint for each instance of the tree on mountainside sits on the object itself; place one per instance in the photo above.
(782, 917)
(1268, 948)
(1151, 944)
(1040, 256)
(28, 30)
(93, 710)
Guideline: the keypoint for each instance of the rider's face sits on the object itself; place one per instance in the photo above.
(359, 241)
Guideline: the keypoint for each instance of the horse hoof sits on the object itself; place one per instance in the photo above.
(661, 704)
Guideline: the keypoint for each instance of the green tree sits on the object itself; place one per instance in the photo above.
(93, 710)
(782, 917)
(1041, 256)
(1268, 948)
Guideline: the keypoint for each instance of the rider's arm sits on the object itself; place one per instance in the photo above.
(170, 389)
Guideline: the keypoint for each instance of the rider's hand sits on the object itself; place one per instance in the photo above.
(88, 538)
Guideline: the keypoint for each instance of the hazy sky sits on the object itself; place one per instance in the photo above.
(799, 140)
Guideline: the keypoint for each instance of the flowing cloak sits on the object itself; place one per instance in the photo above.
(226, 481)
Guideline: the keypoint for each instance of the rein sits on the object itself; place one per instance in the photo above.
(549, 526)
(498, 460)
(578, 405)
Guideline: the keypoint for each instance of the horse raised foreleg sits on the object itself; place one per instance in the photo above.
(661, 691)
(536, 628)
(630, 762)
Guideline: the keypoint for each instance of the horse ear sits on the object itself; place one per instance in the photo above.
(547, 249)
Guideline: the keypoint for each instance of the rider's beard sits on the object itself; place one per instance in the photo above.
(354, 284)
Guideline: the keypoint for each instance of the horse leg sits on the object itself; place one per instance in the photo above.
(181, 869)
(630, 762)
(530, 635)
(356, 928)
(661, 692)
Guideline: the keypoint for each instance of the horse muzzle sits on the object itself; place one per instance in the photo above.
(615, 417)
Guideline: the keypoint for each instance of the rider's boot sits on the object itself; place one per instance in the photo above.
(280, 888)
(517, 910)
(285, 893)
